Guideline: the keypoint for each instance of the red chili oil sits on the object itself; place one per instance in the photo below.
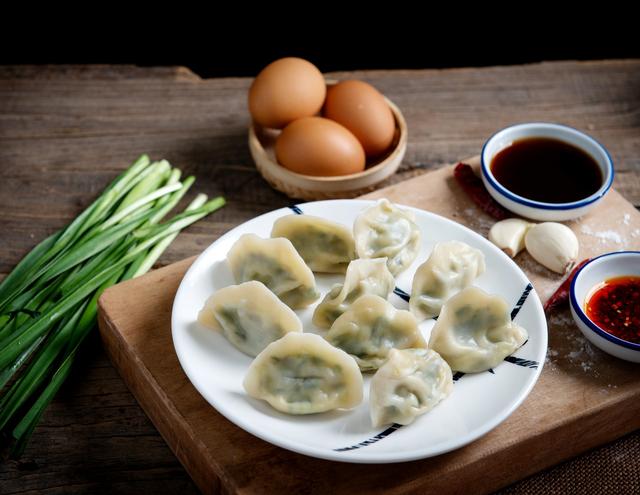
(615, 307)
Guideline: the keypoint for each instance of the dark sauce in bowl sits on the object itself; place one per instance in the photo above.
(547, 170)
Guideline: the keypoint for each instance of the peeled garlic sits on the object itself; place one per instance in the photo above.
(553, 245)
(509, 235)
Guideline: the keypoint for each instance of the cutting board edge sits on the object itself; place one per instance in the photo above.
(139, 380)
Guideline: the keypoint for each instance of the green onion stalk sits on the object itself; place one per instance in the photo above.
(49, 302)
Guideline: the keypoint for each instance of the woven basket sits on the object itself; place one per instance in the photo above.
(294, 185)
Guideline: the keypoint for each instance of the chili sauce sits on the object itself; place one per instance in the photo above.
(615, 307)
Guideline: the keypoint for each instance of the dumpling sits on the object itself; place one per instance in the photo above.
(474, 331)
(276, 264)
(384, 230)
(249, 315)
(325, 246)
(302, 374)
(452, 266)
(370, 328)
(410, 383)
(363, 277)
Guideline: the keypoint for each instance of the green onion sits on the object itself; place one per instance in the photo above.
(49, 302)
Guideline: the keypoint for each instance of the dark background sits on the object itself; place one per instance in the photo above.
(350, 57)
(215, 42)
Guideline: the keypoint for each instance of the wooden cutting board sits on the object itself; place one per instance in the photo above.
(583, 398)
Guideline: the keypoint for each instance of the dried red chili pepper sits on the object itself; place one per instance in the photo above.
(473, 186)
(561, 296)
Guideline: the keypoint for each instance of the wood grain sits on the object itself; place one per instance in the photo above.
(66, 131)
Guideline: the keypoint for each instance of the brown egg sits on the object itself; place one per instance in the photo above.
(285, 90)
(361, 108)
(318, 146)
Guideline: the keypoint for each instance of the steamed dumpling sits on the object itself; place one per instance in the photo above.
(302, 374)
(363, 277)
(370, 328)
(325, 246)
(249, 315)
(452, 266)
(410, 383)
(474, 331)
(384, 230)
(276, 264)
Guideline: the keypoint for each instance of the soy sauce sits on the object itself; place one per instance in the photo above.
(547, 170)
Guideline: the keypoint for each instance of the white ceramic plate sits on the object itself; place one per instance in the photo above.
(478, 403)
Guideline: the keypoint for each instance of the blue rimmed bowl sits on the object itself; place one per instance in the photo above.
(538, 210)
(596, 271)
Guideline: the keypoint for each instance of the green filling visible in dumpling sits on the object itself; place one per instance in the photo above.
(299, 296)
(383, 336)
(302, 378)
(264, 269)
(314, 241)
(354, 294)
(248, 330)
(279, 280)
(230, 321)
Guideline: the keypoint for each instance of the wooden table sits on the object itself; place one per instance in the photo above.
(66, 131)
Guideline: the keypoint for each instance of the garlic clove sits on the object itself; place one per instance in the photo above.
(553, 245)
(509, 235)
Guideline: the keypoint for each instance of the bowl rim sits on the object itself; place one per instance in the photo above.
(577, 308)
(488, 175)
(401, 125)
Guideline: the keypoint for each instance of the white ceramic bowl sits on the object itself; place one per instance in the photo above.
(538, 210)
(597, 270)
